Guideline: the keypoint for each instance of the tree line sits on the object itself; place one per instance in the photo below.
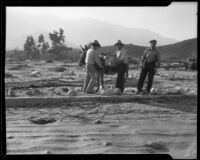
(40, 49)
(36, 49)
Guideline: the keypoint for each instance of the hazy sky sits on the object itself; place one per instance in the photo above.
(179, 20)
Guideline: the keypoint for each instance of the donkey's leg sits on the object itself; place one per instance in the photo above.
(98, 74)
(102, 78)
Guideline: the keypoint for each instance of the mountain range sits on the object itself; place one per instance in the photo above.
(77, 31)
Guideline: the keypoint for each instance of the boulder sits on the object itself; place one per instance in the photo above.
(72, 92)
(117, 91)
(107, 92)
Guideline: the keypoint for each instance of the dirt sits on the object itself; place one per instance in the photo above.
(148, 126)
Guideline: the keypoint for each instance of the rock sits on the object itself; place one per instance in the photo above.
(65, 89)
(71, 73)
(117, 91)
(78, 89)
(47, 152)
(11, 92)
(192, 92)
(97, 121)
(107, 92)
(107, 143)
(49, 61)
(157, 146)
(130, 90)
(72, 92)
(10, 137)
(175, 90)
(34, 73)
(42, 120)
(51, 88)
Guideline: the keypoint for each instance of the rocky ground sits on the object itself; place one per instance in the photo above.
(153, 126)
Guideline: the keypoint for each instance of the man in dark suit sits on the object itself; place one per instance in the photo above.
(150, 63)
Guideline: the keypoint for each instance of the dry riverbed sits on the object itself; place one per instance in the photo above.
(153, 126)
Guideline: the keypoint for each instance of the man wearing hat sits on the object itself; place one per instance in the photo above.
(150, 63)
(122, 65)
(92, 57)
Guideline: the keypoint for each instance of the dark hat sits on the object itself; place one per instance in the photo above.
(119, 42)
(153, 41)
(95, 43)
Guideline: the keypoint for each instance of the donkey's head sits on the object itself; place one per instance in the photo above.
(83, 56)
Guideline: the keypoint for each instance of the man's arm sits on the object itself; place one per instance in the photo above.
(97, 60)
(158, 60)
(144, 56)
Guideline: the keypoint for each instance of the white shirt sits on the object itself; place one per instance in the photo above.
(122, 55)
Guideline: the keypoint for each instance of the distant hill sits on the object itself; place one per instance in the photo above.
(77, 31)
(180, 50)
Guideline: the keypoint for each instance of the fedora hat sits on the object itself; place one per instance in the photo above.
(95, 43)
(119, 42)
(153, 41)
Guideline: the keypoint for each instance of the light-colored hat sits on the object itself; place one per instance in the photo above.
(119, 42)
(95, 43)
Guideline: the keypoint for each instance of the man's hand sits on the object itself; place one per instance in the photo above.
(155, 70)
(142, 65)
(126, 75)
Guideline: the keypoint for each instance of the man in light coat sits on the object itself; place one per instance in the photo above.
(92, 58)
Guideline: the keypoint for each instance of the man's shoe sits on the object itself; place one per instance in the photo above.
(146, 92)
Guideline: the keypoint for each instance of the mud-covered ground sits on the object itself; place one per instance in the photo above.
(155, 126)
